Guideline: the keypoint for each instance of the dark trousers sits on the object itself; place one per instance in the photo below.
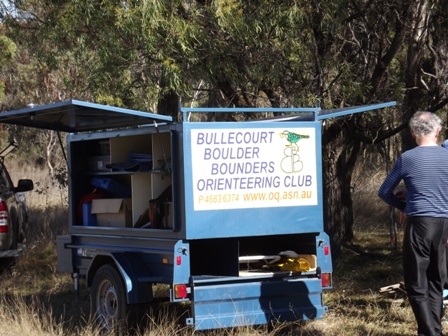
(425, 270)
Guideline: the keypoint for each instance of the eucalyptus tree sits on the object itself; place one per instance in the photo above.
(20, 86)
(7, 52)
(148, 54)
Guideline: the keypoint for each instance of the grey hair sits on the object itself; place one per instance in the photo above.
(425, 123)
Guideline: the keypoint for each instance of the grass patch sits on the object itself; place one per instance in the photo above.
(37, 300)
(33, 286)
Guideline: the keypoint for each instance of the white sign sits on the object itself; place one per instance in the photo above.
(253, 168)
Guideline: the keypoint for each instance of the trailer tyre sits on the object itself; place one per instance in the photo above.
(108, 300)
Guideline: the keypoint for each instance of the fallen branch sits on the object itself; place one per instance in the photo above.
(399, 287)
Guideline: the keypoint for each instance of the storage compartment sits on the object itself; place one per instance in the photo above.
(279, 254)
(141, 194)
(111, 186)
(214, 257)
(121, 147)
(159, 210)
(253, 256)
(284, 261)
(100, 158)
(99, 163)
(123, 165)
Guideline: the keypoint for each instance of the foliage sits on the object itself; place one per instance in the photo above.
(7, 52)
(8, 49)
(147, 54)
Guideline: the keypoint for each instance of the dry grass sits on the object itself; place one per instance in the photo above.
(46, 192)
(36, 300)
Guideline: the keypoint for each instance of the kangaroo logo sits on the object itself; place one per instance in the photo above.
(291, 163)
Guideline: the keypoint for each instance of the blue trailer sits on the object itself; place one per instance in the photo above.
(229, 215)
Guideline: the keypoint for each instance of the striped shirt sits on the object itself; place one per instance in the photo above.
(424, 171)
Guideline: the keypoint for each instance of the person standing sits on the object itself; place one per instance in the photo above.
(424, 171)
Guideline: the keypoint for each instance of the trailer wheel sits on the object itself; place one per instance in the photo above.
(108, 300)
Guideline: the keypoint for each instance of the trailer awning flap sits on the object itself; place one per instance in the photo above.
(325, 114)
(78, 116)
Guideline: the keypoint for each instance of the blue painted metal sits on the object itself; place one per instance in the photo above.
(250, 215)
(324, 261)
(223, 305)
(332, 113)
(237, 184)
(249, 220)
(290, 110)
(318, 113)
(181, 269)
(79, 116)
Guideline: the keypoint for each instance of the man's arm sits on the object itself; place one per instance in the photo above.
(386, 191)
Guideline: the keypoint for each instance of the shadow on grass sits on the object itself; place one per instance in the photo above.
(69, 311)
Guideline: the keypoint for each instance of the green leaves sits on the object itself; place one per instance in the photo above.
(258, 52)
(7, 52)
(7, 49)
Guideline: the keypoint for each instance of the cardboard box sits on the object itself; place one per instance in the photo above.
(113, 212)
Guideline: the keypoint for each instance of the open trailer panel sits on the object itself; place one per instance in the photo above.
(230, 215)
(252, 179)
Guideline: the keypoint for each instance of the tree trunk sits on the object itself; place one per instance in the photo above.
(413, 93)
(339, 154)
(168, 104)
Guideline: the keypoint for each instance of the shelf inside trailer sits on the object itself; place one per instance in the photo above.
(134, 168)
(152, 171)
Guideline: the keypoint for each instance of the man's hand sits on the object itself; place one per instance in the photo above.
(401, 194)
